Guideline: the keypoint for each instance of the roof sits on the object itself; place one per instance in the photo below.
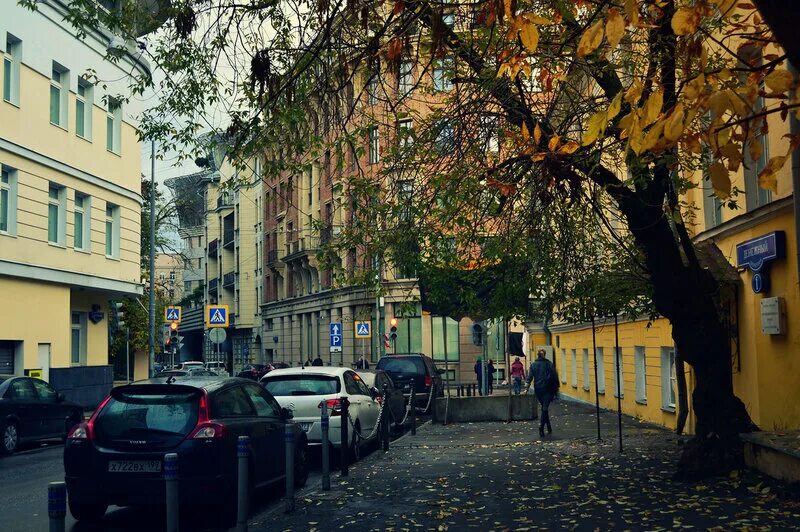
(312, 370)
(202, 382)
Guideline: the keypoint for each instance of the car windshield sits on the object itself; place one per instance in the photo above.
(132, 414)
(402, 365)
(302, 385)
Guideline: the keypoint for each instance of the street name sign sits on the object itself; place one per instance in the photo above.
(216, 316)
(336, 337)
(363, 329)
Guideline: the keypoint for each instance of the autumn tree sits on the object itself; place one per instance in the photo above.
(553, 120)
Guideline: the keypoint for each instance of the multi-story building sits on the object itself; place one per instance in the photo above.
(69, 194)
(169, 276)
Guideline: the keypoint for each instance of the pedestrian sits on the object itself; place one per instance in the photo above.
(317, 361)
(479, 374)
(517, 375)
(490, 371)
(545, 385)
(362, 363)
(308, 363)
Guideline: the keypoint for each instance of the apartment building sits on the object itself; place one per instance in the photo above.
(69, 194)
(169, 276)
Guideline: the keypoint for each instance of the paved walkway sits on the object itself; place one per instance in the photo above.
(496, 476)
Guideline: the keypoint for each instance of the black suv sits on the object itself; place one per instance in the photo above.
(117, 456)
(402, 368)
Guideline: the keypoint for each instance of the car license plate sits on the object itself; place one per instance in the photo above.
(134, 466)
(306, 426)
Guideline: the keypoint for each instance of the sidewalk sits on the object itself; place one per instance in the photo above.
(496, 476)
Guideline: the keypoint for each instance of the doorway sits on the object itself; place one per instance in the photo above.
(44, 361)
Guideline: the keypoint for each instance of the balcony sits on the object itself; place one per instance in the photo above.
(229, 280)
(304, 246)
(212, 248)
(228, 239)
(213, 285)
(224, 200)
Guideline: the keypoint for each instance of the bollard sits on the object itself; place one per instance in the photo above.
(243, 495)
(326, 460)
(385, 419)
(57, 505)
(289, 503)
(171, 481)
(413, 401)
(469, 391)
(344, 439)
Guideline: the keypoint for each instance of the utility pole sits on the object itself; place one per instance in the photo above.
(151, 336)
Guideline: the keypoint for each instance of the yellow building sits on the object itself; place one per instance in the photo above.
(69, 196)
(169, 276)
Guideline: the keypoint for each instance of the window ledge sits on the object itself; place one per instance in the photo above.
(15, 104)
(87, 139)
(641, 401)
(586, 388)
(59, 126)
(56, 245)
(81, 250)
(601, 392)
(6, 233)
(112, 152)
(575, 386)
(110, 257)
(668, 409)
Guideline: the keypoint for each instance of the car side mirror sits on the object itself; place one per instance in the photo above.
(374, 392)
(60, 397)
(286, 414)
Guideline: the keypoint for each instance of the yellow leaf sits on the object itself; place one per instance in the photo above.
(720, 180)
(591, 39)
(537, 134)
(652, 107)
(695, 87)
(525, 133)
(768, 178)
(652, 136)
(632, 11)
(553, 144)
(725, 74)
(635, 136)
(685, 21)
(536, 19)
(717, 104)
(529, 35)
(616, 105)
(738, 105)
(673, 125)
(634, 92)
(755, 149)
(595, 127)
(733, 153)
(539, 157)
(615, 27)
(503, 69)
(725, 6)
(509, 13)
(626, 121)
(779, 80)
(569, 148)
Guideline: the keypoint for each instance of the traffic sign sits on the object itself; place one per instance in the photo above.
(336, 337)
(172, 314)
(363, 329)
(216, 316)
(217, 336)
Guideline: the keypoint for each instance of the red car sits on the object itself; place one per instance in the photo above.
(255, 371)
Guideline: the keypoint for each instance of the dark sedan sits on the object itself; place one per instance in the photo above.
(31, 410)
(376, 379)
(254, 371)
(117, 457)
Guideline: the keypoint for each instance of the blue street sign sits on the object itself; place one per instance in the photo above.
(336, 329)
(336, 337)
(756, 254)
(362, 329)
(172, 314)
(216, 315)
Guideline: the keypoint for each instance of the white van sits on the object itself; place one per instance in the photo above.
(218, 368)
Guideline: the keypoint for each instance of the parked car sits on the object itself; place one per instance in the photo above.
(302, 390)
(376, 379)
(254, 371)
(192, 364)
(116, 457)
(218, 368)
(191, 372)
(402, 368)
(280, 365)
(31, 410)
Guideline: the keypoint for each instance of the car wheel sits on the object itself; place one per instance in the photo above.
(10, 436)
(300, 466)
(83, 511)
(355, 445)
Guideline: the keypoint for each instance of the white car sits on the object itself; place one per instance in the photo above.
(186, 366)
(218, 368)
(302, 390)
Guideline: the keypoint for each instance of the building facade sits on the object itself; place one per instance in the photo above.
(169, 276)
(69, 195)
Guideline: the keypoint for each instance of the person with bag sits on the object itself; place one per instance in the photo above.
(545, 385)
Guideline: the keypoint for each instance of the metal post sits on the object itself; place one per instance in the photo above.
(289, 502)
(413, 401)
(385, 419)
(151, 337)
(57, 505)
(242, 498)
(596, 387)
(128, 354)
(618, 374)
(344, 440)
(171, 481)
(326, 460)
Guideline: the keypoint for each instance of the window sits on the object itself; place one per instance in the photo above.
(601, 371)
(574, 368)
(264, 404)
(444, 336)
(56, 207)
(374, 146)
(59, 89)
(405, 78)
(83, 109)
(668, 380)
(586, 380)
(112, 230)
(113, 125)
(310, 177)
(409, 333)
(619, 384)
(187, 287)
(78, 339)
(46, 393)
(23, 390)
(172, 277)
(8, 200)
(405, 133)
(11, 63)
(232, 402)
(449, 19)
(442, 73)
(640, 370)
(491, 137)
(563, 366)
(372, 88)
(444, 137)
(755, 196)
(82, 222)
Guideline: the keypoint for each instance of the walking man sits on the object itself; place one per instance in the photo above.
(479, 374)
(517, 375)
(545, 386)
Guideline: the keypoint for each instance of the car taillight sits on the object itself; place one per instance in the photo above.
(81, 431)
(334, 407)
(379, 399)
(428, 380)
(210, 430)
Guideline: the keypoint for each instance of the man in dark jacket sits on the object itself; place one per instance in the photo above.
(317, 361)
(545, 385)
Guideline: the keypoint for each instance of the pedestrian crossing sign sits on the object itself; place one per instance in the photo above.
(172, 314)
(362, 329)
(216, 316)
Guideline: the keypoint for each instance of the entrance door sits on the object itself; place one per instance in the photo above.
(44, 361)
(6, 358)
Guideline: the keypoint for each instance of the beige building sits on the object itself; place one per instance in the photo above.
(169, 276)
(69, 196)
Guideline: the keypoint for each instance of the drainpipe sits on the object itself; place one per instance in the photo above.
(794, 129)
